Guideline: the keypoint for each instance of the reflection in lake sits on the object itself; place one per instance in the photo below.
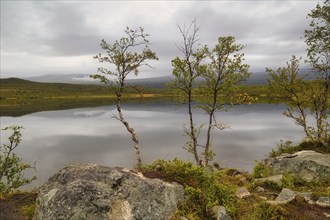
(91, 135)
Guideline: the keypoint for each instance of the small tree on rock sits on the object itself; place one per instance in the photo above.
(124, 56)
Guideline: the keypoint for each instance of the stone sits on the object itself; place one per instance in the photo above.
(308, 165)
(307, 196)
(90, 191)
(285, 196)
(276, 179)
(323, 201)
(220, 213)
(260, 189)
(242, 192)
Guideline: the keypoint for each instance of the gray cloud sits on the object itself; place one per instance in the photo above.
(52, 37)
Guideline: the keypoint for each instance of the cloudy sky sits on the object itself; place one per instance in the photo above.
(61, 37)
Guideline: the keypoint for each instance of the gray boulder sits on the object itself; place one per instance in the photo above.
(323, 201)
(242, 192)
(220, 213)
(276, 179)
(309, 165)
(285, 196)
(90, 191)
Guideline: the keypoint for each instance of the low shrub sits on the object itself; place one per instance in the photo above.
(203, 190)
(261, 170)
(288, 147)
(11, 165)
(265, 211)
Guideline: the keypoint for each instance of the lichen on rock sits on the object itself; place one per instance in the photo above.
(90, 191)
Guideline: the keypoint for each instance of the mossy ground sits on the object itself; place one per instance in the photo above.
(204, 186)
(17, 206)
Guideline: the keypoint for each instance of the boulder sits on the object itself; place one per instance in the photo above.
(276, 179)
(90, 191)
(323, 201)
(285, 196)
(309, 165)
(260, 189)
(220, 213)
(242, 192)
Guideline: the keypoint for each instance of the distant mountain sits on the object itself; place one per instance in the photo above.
(155, 82)
(257, 78)
(14, 81)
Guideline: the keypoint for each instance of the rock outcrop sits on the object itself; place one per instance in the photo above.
(92, 191)
(309, 165)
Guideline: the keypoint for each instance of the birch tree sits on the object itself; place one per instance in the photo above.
(125, 56)
(186, 69)
(224, 72)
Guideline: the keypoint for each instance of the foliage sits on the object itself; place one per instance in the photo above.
(317, 39)
(203, 190)
(186, 70)
(29, 210)
(260, 170)
(284, 147)
(12, 166)
(123, 55)
(223, 74)
(318, 52)
(301, 98)
(288, 147)
(265, 211)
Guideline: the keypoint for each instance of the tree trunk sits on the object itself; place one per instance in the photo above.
(138, 161)
(192, 129)
(208, 139)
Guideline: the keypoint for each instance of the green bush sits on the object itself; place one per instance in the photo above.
(261, 170)
(203, 190)
(284, 147)
(288, 147)
(12, 166)
(265, 211)
(29, 210)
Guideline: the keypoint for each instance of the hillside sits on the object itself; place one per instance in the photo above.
(19, 96)
(259, 78)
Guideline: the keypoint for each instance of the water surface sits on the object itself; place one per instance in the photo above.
(53, 139)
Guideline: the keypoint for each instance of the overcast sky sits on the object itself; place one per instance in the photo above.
(61, 37)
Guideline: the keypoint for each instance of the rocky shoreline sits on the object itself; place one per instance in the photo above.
(90, 191)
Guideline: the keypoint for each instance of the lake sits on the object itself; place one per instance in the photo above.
(53, 139)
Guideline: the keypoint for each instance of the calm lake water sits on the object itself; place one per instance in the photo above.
(53, 139)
